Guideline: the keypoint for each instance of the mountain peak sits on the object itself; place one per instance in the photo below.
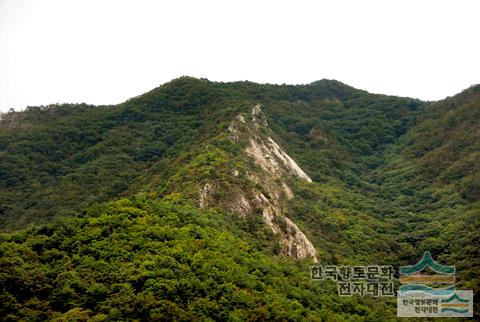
(270, 170)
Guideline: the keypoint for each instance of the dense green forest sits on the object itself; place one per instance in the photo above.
(100, 216)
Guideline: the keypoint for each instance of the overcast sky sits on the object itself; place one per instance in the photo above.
(103, 52)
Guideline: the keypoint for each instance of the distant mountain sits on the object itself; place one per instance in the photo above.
(202, 200)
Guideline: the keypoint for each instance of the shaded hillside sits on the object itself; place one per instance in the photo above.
(60, 159)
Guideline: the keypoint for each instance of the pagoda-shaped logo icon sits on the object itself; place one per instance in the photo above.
(455, 304)
(428, 276)
(428, 290)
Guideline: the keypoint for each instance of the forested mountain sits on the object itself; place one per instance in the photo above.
(203, 200)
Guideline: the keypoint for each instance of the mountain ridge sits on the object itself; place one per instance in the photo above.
(321, 171)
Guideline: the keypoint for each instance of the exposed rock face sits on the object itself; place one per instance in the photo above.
(241, 205)
(205, 193)
(271, 167)
(9, 120)
(258, 118)
(268, 155)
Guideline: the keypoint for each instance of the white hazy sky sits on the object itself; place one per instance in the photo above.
(103, 52)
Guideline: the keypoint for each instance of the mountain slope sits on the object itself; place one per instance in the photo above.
(150, 260)
(319, 172)
(59, 159)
